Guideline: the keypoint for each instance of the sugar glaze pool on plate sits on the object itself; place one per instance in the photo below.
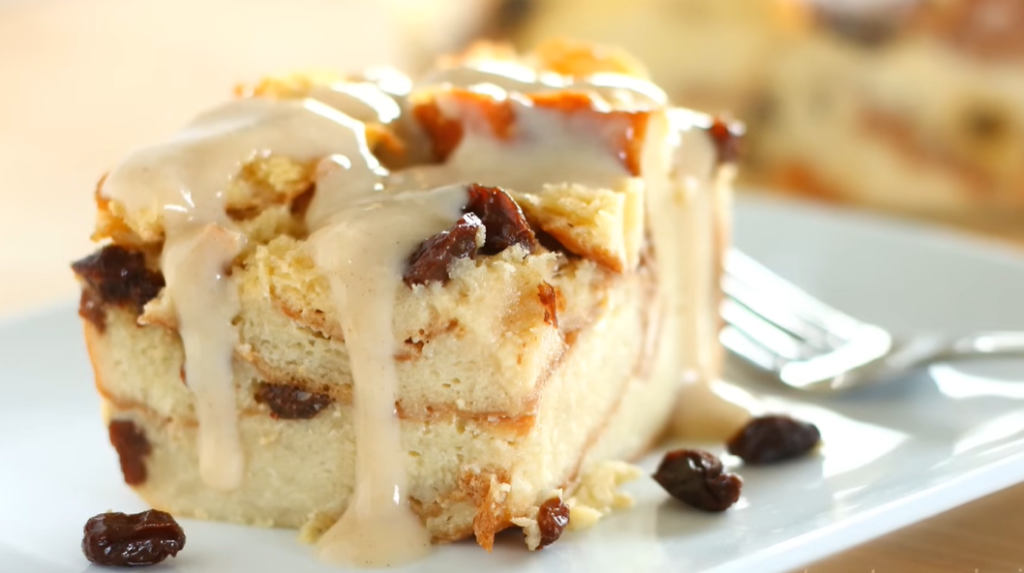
(893, 455)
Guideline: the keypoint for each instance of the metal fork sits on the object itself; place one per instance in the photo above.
(811, 346)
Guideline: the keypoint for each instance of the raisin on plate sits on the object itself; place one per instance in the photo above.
(698, 479)
(774, 438)
(124, 540)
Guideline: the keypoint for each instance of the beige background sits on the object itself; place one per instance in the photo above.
(83, 82)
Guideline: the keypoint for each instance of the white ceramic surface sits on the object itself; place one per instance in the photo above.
(892, 456)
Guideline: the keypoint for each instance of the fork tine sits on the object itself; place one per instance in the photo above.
(768, 308)
(778, 327)
(741, 345)
(776, 295)
(764, 333)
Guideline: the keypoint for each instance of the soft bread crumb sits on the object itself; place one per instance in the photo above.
(160, 311)
(581, 516)
(531, 531)
(598, 493)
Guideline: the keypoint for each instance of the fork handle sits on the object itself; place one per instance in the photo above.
(984, 344)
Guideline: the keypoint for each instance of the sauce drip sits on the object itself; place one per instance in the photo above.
(195, 260)
(183, 182)
(364, 253)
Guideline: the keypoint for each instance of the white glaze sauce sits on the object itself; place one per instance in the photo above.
(363, 250)
(548, 148)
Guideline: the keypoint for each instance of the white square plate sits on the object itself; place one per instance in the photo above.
(892, 455)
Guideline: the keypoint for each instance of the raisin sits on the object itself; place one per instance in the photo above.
(132, 448)
(290, 402)
(552, 518)
(726, 137)
(504, 226)
(502, 218)
(697, 479)
(123, 540)
(775, 438)
(433, 257)
(119, 277)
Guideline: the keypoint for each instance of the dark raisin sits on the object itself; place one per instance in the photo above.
(770, 439)
(504, 220)
(552, 518)
(697, 479)
(434, 256)
(290, 402)
(726, 137)
(120, 277)
(132, 448)
(123, 540)
(490, 207)
(549, 300)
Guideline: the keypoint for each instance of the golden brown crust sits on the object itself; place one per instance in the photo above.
(108, 225)
(446, 133)
(571, 242)
(624, 130)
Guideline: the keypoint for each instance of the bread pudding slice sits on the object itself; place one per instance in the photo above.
(403, 311)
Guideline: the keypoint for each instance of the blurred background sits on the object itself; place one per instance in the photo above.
(914, 108)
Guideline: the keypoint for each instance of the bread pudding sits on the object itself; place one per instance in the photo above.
(396, 312)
